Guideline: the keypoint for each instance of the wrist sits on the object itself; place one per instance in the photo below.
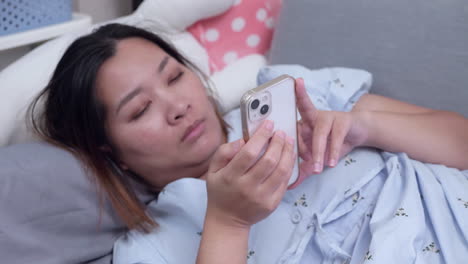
(222, 241)
(365, 125)
(223, 221)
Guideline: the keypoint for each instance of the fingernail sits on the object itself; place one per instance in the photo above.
(332, 163)
(269, 125)
(317, 167)
(290, 140)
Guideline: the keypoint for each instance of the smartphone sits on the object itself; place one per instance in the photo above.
(276, 101)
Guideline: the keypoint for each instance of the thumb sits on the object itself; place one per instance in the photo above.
(224, 154)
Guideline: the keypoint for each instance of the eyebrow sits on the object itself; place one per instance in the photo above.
(128, 97)
(163, 64)
(138, 90)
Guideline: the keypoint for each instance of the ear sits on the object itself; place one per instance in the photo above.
(108, 151)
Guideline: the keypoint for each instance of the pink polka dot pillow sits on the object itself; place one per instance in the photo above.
(246, 28)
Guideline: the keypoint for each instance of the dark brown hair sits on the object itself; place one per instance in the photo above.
(74, 118)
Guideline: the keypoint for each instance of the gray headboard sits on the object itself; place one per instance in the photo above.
(416, 50)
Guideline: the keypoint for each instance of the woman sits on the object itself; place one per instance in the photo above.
(130, 105)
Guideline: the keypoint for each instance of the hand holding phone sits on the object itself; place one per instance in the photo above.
(276, 101)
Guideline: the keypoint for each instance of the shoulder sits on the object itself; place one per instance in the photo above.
(179, 212)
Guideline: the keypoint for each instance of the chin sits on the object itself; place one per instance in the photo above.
(207, 146)
(210, 142)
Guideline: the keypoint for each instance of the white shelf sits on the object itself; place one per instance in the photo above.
(79, 21)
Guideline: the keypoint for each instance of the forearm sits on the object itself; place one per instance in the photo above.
(434, 137)
(222, 243)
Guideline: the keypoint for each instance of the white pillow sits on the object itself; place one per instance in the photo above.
(24, 79)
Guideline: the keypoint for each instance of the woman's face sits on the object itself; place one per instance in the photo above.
(158, 116)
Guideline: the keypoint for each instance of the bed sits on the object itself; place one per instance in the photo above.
(417, 51)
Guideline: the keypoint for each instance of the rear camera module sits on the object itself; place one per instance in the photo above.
(255, 104)
(264, 109)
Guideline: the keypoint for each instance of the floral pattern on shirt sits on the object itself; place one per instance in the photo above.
(302, 201)
(401, 212)
(431, 248)
(465, 203)
(349, 160)
(250, 254)
(368, 256)
(356, 198)
(338, 82)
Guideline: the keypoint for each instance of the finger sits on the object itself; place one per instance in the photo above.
(338, 134)
(326, 154)
(306, 167)
(304, 104)
(249, 154)
(224, 154)
(269, 161)
(304, 150)
(283, 171)
(320, 141)
(276, 196)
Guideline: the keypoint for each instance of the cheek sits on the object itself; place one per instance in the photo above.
(215, 131)
(150, 137)
(142, 139)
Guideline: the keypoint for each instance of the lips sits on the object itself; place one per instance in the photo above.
(194, 130)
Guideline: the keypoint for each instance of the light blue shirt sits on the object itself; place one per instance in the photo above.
(373, 207)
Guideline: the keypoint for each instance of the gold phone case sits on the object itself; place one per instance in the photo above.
(278, 98)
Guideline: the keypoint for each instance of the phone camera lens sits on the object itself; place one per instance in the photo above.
(255, 104)
(264, 109)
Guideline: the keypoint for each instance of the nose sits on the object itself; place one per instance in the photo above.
(177, 111)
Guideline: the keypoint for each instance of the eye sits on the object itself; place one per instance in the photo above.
(176, 78)
(141, 112)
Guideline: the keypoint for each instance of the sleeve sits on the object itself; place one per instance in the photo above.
(134, 248)
(336, 89)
